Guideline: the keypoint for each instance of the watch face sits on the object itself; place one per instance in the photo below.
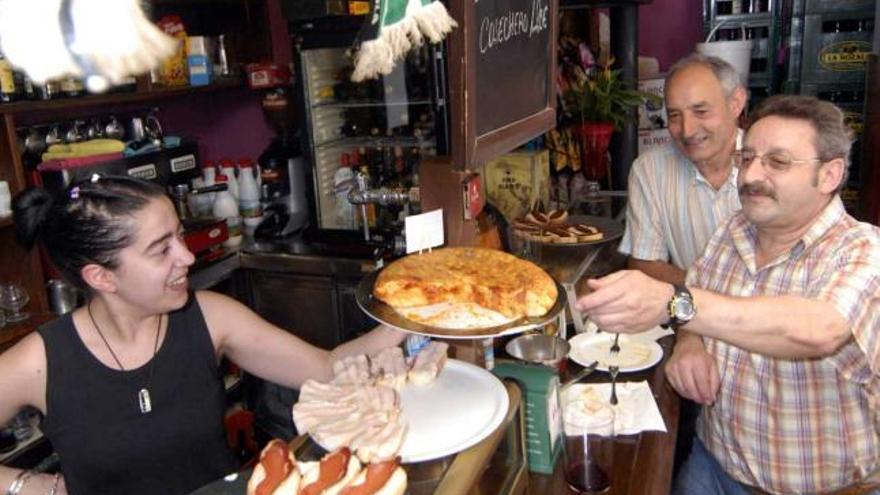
(684, 309)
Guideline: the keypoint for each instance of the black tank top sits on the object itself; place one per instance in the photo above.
(94, 422)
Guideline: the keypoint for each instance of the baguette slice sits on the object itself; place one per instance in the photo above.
(269, 459)
(429, 363)
(376, 480)
(311, 471)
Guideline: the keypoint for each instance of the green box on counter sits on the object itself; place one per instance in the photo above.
(540, 386)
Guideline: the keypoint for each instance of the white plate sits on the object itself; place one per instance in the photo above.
(635, 354)
(463, 406)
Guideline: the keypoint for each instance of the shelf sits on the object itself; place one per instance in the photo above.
(157, 93)
(372, 104)
(375, 141)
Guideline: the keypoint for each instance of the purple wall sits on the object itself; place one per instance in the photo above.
(669, 29)
(229, 123)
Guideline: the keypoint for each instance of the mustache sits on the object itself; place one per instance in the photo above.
(755, 189)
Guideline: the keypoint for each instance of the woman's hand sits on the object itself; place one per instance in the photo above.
(42, 483)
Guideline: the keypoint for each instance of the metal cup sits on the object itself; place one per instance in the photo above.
(63, 297)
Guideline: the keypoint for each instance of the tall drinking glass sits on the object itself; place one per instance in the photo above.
(587, 441)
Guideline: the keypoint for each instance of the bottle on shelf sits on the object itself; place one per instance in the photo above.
(227, 168)
(343, 181)
(209, 175)
(8, 90)
(72, 87)
(226, 207)
(249, 196)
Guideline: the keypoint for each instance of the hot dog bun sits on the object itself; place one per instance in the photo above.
(311, 472)
(379, 478)
(274, 460)
(395, 485)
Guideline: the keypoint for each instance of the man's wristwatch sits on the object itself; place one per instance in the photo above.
(681, 307)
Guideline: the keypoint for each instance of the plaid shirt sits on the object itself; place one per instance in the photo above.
(798, 425)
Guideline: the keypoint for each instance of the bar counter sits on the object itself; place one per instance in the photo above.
(642, 463)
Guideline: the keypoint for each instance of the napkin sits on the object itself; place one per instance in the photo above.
(636, 409)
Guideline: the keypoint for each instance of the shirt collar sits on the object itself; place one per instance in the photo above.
(745, 234)
(697, 176)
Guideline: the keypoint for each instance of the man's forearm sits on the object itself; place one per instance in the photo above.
(660, 270)
(780, 326)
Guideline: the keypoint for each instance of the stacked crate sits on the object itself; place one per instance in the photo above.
(829, 44)
(757, 20)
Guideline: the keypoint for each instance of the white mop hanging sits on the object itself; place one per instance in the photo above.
(102, 41)
(396, 27)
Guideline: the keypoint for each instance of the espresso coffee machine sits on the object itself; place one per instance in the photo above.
(283, 173)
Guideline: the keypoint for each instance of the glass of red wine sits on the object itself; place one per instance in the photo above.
(587, 436)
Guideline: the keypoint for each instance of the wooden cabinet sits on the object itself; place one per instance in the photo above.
(245, 24)
(305, 305)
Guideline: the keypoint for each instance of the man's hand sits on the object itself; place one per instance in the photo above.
(627, 302)
(692, 371)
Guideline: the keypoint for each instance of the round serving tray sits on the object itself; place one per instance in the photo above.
(384, 313)
(612, 230)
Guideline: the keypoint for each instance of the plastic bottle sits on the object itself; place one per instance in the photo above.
(5, 199)
(343, 180)
(227, 168)
(209, 175)
(249, 196)
(225, 206)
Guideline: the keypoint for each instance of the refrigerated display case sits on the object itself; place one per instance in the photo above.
(380, 129)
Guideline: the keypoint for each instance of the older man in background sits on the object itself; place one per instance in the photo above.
(678, 195)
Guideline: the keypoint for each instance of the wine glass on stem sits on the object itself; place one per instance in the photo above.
(13, 297)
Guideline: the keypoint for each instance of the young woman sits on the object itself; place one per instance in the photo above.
(129, 384)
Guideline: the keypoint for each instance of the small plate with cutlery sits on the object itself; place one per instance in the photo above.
(634, 355)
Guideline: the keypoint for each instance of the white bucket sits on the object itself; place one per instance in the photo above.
(737, 53)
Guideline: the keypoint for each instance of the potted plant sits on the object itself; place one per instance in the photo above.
(600, 103)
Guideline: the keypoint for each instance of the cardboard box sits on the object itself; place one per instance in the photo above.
(198, 59)
(651, 115)
(515, 181)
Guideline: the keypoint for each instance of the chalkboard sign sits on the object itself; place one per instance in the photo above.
(512, 61)
(501, 76)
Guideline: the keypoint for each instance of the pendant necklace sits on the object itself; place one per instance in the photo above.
(144, 400)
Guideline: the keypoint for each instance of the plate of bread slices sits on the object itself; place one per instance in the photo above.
(557, 227)
(386, 406)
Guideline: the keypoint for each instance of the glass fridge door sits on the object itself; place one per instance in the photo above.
(379, 128)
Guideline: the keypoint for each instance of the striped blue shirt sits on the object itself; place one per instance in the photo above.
(672, 209)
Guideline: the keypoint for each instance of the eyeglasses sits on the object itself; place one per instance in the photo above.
(774, 161)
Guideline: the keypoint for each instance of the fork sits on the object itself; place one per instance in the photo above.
(613, 370)
(614, 347)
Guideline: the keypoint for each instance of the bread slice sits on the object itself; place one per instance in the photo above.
(429, 363)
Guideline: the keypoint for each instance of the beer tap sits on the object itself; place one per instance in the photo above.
(363, 196)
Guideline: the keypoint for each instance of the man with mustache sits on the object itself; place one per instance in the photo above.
(787, 300)
(678, 195)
